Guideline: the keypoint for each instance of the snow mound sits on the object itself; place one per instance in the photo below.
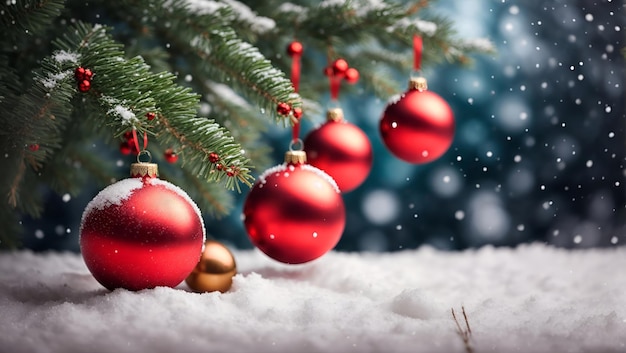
(533, 298)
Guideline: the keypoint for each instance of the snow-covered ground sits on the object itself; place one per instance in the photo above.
(530, 299)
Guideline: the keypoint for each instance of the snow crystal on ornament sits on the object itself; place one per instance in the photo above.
(113, 194)
(322, 175)
(275, 169)
(395, 99)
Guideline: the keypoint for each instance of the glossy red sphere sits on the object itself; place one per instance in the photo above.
(295, 48)
(343, 151)
(419, 127)
(294, 213)
(141, 233)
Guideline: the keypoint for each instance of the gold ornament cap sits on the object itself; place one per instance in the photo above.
(418, 83)
(214, 271)
(334, 114)
(295, 157)
(142, 169)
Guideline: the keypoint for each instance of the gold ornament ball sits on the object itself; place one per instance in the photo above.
(214, 271)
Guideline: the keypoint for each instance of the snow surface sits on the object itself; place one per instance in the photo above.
(531, 299)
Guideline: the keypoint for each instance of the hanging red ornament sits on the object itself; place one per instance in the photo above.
(294, 212)
(418, 127)
(141, 232)
(340, 66)
(84, 86)
(352, 75)
(170, 156)
(295, 48)
(340, 149)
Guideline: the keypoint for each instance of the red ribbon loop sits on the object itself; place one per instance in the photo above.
(417, 52)
(295, 81)
(136, 140)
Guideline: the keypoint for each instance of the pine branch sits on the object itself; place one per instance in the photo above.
(127, 91)
(225, 56)
(32, 126)
(28, 17)
(209, 196)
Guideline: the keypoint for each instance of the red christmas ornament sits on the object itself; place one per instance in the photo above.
(34, 147)
(352, 75)
(419, 126)
(295, 48)
(84, 86)
(294, 212)
(141, 232)
(170, 156)
(150, 115)
(340, 149)
(340, 66)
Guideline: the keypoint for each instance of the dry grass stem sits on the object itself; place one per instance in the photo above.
(466, 333)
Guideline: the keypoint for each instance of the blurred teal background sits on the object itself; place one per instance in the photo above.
(538, 155)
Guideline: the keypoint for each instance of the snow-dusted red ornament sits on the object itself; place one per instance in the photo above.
(294, 212)
(141, 232)
(418, 127)
(340, 149)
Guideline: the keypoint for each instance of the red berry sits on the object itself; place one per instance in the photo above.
(214, 157)
(231, 172)
(297, 112)
(128, 135)
(150, 115)
(132, 145)
(34, 147)
(87, 74)
(79, 73)
(352, 75)
(295, 48)
(170, 156)
(84, 86)
(125, 148)
(219, 166)
(283, 108)
(340, 66)
(328, 71)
